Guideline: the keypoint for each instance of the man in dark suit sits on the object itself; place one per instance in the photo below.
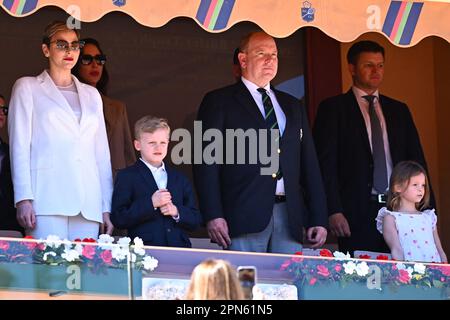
(8, 219)
(154, 202)
(246, 209)
(360, 136)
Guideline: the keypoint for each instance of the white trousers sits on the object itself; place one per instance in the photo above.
(65, 227)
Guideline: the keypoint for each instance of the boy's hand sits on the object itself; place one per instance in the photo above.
(169, 210)
(161, 197)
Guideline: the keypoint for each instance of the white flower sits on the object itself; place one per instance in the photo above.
(138, 242)
(106, 240)
(420, 268)
(124, 242)
(53, 241)
(401, 266)
(410, 271)
(341, 256)
(70, 255)
(50, 253)
(349, 267)
(150, 263)
(133, 257)
(362, 269)
(79, 248)
(119, 253)
(139, 251)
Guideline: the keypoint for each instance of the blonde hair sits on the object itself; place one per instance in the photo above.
(400, 177)
(149, 124)
(214, 279)
(53, 28)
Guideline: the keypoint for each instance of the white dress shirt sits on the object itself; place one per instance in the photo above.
(364, 107)
(281, 117)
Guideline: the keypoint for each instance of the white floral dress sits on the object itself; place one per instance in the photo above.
(415, 232)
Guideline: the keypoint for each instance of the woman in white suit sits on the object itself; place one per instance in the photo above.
(60, 158)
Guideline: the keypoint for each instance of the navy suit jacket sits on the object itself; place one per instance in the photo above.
(8, 220)
(238, 192)
(345, 156)
(132, 207)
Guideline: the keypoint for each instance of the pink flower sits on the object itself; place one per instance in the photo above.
(285, 265)
(89, 252)
(312, 281)
(403, 276)
(106, 256)
(445, 270)
(323, 271)
(338, 268)
(4, 245)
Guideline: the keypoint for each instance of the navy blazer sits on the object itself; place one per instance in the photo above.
(132, 207)
(238, 192)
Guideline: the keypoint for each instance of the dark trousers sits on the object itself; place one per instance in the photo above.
(365, 235)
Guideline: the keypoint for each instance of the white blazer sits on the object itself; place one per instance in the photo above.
(62, 165)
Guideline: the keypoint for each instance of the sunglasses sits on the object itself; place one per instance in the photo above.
(63, 45)
(87, 59)
(4, 109)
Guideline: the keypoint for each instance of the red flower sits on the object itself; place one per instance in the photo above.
(4, 245)
(28, 237)
(403, 276)
(89, 240)
(364, 256)
(106, 256)
(382, 257)
(298, 253)
(77, 240)
(89, 252)
(312, 281)
(323, 271)
(325, 253)
(338, 268)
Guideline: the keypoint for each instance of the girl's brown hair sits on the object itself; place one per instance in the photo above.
(401, 175)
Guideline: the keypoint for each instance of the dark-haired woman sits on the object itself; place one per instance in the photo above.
(91, 69)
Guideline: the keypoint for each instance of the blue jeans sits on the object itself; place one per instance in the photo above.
(275, 238)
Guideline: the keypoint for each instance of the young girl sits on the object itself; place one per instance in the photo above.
(410, 233)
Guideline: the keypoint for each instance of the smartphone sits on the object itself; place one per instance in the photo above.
(247, 277)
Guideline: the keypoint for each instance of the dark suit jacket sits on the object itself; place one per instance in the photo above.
(132, 207)
(345, 156)
(238, 192)
(8, 220)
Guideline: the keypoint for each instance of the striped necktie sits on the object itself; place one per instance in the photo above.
(271, 119)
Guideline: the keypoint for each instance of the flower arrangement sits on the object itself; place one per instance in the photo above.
(342, 269)
(96, 255)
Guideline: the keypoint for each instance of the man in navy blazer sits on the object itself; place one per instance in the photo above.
(341, 133)
(244, 209)
(154, 202)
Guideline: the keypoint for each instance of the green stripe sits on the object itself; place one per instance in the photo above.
(268, 113)
(215, 15)
(20, 6)
(401, 27)
(274, 125)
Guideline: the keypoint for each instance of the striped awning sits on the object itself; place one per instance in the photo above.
(404, 23)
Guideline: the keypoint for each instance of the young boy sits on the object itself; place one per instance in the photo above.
(151, 200)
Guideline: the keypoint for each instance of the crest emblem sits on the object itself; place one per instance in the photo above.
(119, 3)
(308, 11)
